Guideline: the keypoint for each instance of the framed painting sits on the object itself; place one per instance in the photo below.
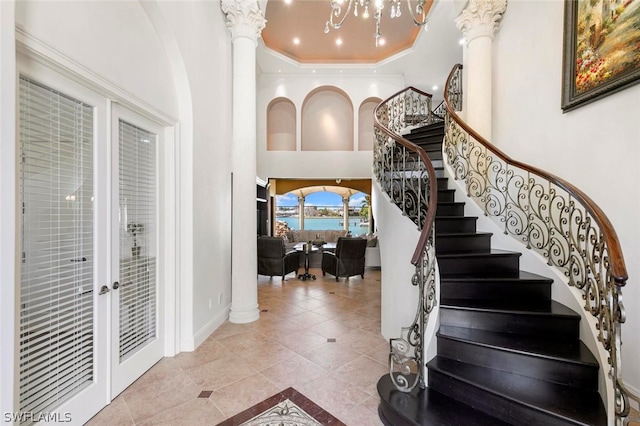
(601, 49)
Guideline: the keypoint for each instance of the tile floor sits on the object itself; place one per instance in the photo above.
(243, 364)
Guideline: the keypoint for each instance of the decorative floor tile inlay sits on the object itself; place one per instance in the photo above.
(286, 408)
(205, 394)
(284, 414)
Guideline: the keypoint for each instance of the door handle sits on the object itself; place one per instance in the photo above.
(116, 285)
(104, 290)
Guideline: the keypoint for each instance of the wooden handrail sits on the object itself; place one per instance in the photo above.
(616, 259)
(425, 233)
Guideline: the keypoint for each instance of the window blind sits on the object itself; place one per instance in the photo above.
(137, 190)
(56, 275)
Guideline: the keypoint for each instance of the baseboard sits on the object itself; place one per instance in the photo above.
(634, 396)
(206, 331)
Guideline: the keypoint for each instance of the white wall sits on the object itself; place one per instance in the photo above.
(398, 237)
(595, 147)
(309, 164)
(204, 48)
(113, 39)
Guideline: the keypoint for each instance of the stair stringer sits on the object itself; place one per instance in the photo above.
(398, 237)
(561, 292)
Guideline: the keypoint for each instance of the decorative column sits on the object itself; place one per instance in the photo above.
(245, 21)
(345, 213)
(301, 212)
(479, 21)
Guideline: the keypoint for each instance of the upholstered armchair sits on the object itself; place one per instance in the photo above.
(273, 259)
(347, 260)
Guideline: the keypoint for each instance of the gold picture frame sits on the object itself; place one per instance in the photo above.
(601, 54)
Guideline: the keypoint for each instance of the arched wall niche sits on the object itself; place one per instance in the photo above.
(327, 120)
(365, 123)
(281, 125)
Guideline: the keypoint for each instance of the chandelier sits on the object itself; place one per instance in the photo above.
(337, 18)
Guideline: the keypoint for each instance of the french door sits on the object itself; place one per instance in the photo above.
(137, 341)
(88, 197)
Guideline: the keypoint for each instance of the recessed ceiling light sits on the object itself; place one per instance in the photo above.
(461, 41)
(339, 41)
(340, 71)
(434, 88)
(296, 41)
(382, 41)
(287, 1)
(314, 71)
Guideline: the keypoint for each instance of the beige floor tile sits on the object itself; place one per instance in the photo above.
(295, 372)
(155, 399)
(331, 329)
(242, 364)
(362, 372)
(243, 394)
(302, 341)
(330, 356)
(199, 411)
(247, 341)
(116, 414)
(220, 373)
(266, 356)
(209, 351)
(361, 341)
(334, 395)
(308, 319)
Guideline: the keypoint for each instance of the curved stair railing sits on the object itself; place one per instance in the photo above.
(551, 216)
(407, 176)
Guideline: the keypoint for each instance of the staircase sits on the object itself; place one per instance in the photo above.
(507, 353)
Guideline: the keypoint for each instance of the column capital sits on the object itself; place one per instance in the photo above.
(481, 18)
(244, 18)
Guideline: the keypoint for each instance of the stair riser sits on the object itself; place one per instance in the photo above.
(443, 183)
(485, 266)
(446, 195)
(451, 225)
(434, 131)
(508, 290)
(560, 327)
(428, 143)
(492, 404)
(450, 209)
(476, 243)
(553, 370)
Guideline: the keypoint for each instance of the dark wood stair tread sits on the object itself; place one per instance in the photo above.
(426, 407)
(552, 307)
(565, 350)
(573, 405)
(523, 277)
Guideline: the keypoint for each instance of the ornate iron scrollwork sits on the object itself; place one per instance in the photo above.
(548, 216)
(406, 175)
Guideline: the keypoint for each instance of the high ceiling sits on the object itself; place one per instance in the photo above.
(295, 28)
(424, 60)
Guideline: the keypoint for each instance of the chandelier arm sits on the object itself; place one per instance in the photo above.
(421, 12)
(336, 9)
